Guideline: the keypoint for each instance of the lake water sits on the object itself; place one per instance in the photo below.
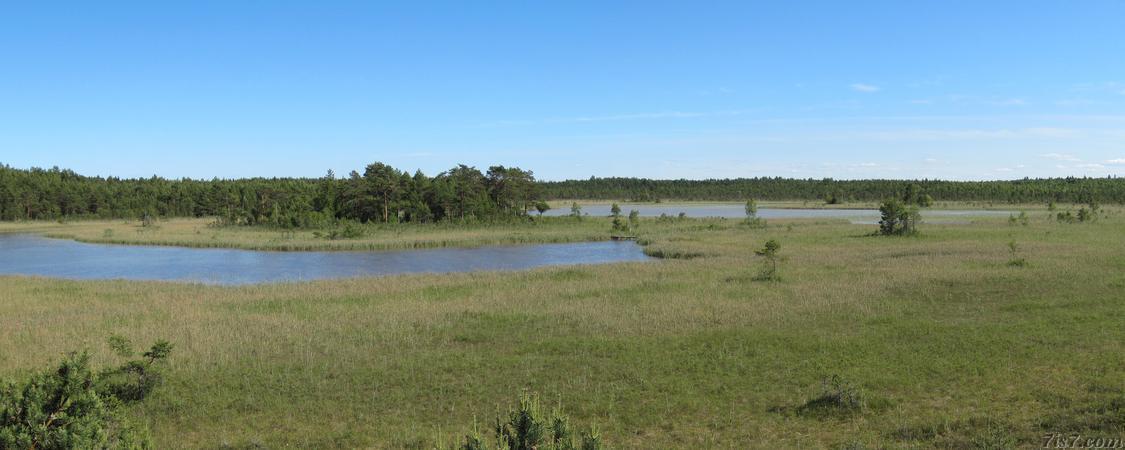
(737, 210)
(34, 255)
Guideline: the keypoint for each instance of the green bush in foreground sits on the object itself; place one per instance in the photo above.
(74, 407)
(529, 427)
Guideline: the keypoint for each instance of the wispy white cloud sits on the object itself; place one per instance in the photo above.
(864, 87)
(1051, 132)
(1090, 166)
(1116, 162)
(1061, 157)
(1116, 87)
(929, 119)
(965, 134)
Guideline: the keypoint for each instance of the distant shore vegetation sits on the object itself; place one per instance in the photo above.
(384, 194)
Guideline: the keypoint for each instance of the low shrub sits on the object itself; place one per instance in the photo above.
(1021, 219)
(752, 218)
(73, 406)
(897, 218)
(838, 398)
(345, 230)
(1015, 260)
(529, 427)
(770, 256)
(136, 379)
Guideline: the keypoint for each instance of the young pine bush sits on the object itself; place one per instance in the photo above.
(619, 223)
(752, 218)
(529, 427)
(769, 253)
(898, 218)
(1085, 214)
(56, 409)
(136, 379)
(75, 407)
(1021, 219)
(1014, 259)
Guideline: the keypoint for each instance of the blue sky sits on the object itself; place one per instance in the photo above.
(944, 89)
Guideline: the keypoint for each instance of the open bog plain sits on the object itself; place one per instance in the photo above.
(965, 334)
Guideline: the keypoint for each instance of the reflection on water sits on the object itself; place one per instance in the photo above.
(34, 255)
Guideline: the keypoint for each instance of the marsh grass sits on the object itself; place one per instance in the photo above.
(350, 237)
(935, 328)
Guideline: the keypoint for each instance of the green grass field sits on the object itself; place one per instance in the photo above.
(950, 346)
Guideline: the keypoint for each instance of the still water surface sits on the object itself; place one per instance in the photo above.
(34, 255)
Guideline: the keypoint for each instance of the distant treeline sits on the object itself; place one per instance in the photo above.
(380, 194)
(1070, 189)
(384, 194)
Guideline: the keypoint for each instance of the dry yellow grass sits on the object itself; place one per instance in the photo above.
(201, 233)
